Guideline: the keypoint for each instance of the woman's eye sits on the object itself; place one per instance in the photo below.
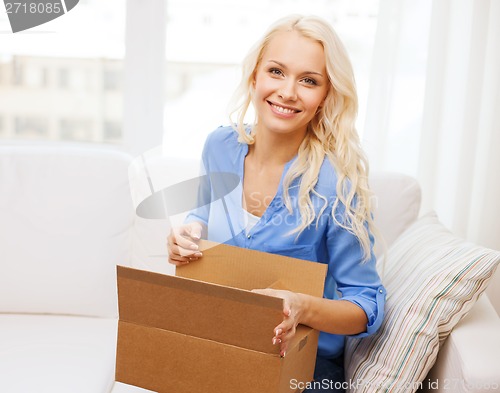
(310, 81)
(275, 71)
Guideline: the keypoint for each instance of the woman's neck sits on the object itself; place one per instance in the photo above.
(274, 149)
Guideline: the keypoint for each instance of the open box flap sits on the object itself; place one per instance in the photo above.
(228, 265)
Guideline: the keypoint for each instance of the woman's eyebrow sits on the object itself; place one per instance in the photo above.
(306, 72)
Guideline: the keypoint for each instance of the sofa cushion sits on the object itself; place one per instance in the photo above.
(432, 280)
(66, 219)
(52, 354)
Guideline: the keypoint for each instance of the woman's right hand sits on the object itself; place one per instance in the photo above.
(182, 244)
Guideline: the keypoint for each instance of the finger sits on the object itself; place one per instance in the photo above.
(285, 341)
(282, 336)
(178, 249)
(287, 324)
(177, 260)
(184, 234)
(176, 255)
(281, 330)
(177, 252)
(194, 231)
(288, 335)
(176, 263)
(184, 242)
(283, 349)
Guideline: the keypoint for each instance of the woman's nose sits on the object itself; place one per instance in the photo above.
(288, 91)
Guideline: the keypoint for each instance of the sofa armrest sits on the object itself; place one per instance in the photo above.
(469, 359)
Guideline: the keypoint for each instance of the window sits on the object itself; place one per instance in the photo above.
(63, 78)
(33, 76)
(55, 75)
(45, 77)
(76, 129)
(112, 79)
(112, 130)
(31, 127)
(17, 74)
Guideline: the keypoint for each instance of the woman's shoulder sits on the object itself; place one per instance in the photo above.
(222, 147)
(223, 134)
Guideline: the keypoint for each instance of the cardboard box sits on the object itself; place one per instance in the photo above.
(204, 331)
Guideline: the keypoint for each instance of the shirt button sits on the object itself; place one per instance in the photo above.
(249, 236)
(381, 291)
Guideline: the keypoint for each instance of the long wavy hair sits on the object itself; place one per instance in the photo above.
(331, 133)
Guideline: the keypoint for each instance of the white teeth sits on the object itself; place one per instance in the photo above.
(283, 110)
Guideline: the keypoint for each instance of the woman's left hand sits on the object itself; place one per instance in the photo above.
(292, 313)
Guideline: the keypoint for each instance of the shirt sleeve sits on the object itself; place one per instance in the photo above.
(357, 281)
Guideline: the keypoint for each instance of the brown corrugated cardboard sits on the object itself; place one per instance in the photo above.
(203, 330)
(250, 269)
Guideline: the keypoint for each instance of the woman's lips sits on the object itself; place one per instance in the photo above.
(284, 110)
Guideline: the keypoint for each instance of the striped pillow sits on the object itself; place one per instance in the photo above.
(432, 279)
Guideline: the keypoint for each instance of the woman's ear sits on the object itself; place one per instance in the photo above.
(254, 75)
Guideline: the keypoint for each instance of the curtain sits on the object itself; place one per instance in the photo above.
(433, 109)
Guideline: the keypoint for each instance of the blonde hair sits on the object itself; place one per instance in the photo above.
(331, 133)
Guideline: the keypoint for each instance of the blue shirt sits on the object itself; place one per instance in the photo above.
(324, 241)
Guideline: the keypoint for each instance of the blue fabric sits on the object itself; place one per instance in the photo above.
(324, 242)
(328, 376)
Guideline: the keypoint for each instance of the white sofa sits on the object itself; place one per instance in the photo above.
(66, 221)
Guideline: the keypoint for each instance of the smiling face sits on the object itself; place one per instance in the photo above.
(290, 84)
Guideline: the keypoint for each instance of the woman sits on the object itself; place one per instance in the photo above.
(304, 186)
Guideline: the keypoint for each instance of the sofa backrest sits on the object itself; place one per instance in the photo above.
(397, 204)
(65, 221)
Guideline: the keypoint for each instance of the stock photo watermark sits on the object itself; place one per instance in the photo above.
(25, 14)
(446, 384)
